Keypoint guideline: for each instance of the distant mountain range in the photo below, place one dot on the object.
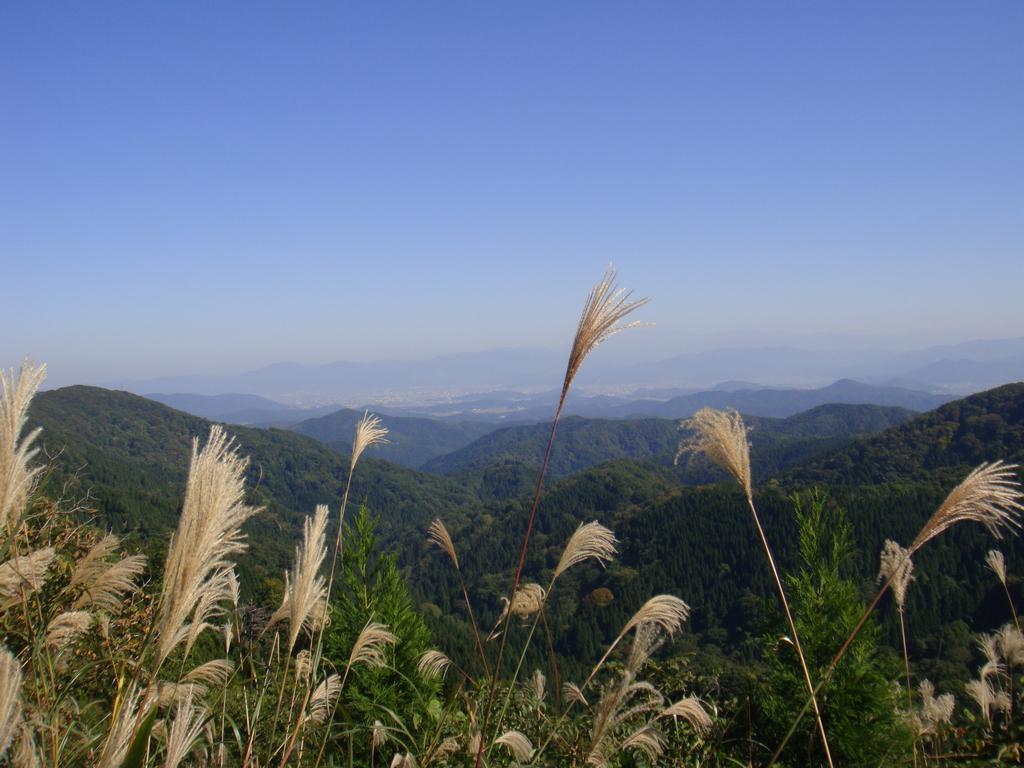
(957, 368)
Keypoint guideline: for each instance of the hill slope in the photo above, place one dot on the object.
(582, 443)
(131, 455)
(411, 440)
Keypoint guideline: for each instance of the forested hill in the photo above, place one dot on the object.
(411, 440)
(131, 455)
(582, 443)
(942, 443)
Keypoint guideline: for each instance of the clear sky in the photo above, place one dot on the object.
(205, 187)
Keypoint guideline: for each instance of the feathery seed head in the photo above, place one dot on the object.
(572, 694)
(1011, 645)
(303, 666)
(989, 495)
(897, 568)
(691, 709)
(518, 744)
(379, 736)
(665, 611)
(722, 437)
(104, 583)
(305, 590)
(994, 560)
(538, 686)
(10, 698)
(438, 535)
(605, 307)
(589, 541)
(369, 431)
(16, 477)
(321, 703)
(23, 575)
(67, 627)
(432, 664)
(369, 647)
(646, 740)
(403, 760)
(186, 729)
(199, 573)
(214, 672)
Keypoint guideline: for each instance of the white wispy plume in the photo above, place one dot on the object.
(199, 574)
(214, 672)
(305, 590)
(10, 698)
(438, 535)
(590, 541)
(433, 663)
(21, 576)
(370, 645)
(605, 308)
(518, 744)
(722, 437)
(67, 627)
(321, 703)
(692, 710)
(17, 478)
(184, 731)
(104, 583)
(897, 568)
(369, 431)
(131, 708)
(994, 560)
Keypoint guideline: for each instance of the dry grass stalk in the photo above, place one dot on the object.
(10, 698)
(605, 308)
(16, 452)
(438, 535)
(896, 567)
(199, 575)
(305, 590)
(590, 541)
(433, 664)
(572, 694)
(722, 437)
(23, 575)
(518, 744)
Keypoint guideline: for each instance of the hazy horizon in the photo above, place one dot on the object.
(208, 190)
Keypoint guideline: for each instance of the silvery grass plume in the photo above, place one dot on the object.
(692, 710)
(21, 576)
(664, 612)
(10, 698)
(538, 686)
(591, 541)
(16, 452)
(935, 710)
(995, 561)
(379, 735)
(605, 308)
(130, 708)
(627, 699)
(432, 664)
(214, 672)
(897, 568)
(321, 703)
(722, 437)
(647, 740)
(528, 600)
(370, 646)
(518, 744)
(1011, 645)
(989, 495)
(406, 760)
(198, 575)
(305, 590)
(572, 694)
(67, 627)
(103, 583)
(438, 535)
(189, 719)
(985, 696)
(369, 431)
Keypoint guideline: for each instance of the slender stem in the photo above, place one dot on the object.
(519, 573)
(1013, 608)
(554, 658)
(472, 622)
(906, 668)
(792, 628)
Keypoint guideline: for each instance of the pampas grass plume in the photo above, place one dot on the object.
(518, 744)
(10, 698)
(16, 452)
(438, 535)
(369, 431)
(369, 646)
(994, 560)
(591, 541)
(896, 566)
(722, 437)
(305, 590)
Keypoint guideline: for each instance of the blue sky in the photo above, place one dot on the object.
(206, 187)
